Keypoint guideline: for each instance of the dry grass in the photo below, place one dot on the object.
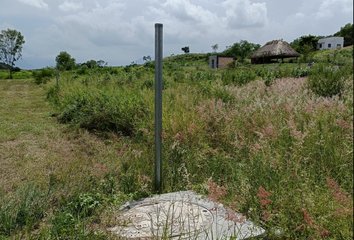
(34, 146)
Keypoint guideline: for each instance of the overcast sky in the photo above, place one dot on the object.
(120, 31)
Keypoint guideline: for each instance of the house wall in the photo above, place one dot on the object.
(330, 43)
(216, 62)
(223, 61)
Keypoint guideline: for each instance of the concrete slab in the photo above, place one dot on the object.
(182, 215)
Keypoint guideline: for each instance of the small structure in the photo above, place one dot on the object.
(330, 43)
(276, 49)
(182, 215)
(218, 61)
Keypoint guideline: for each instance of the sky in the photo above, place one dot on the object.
(121, 32)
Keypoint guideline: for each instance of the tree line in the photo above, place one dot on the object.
(64, 61)
(11, 44)
(304, 43)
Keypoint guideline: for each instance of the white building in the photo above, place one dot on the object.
(330, 43)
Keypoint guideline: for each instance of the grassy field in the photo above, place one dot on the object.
(23, 74)
(279, 141)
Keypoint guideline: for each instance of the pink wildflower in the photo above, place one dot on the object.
(216, 192)
(264, 196)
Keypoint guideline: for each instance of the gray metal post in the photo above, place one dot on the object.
(158, 105)
(57, 76)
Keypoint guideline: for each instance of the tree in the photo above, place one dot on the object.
(65, 61)
(347, 33)
(299, 43)
(309, 40)
(101, 63)
(11, 42)
(307, 51)
(185, 49)
(241, 50)
(147, 58)
(215, 47)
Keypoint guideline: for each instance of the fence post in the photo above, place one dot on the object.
(158, 105)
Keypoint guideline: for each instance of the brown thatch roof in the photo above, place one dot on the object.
(275, 48)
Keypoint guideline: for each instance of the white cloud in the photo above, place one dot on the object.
(35, 3)
(184, 11)
(70, 6)
(120, 31)
(243, 13)
(102, 25)
(328, 8)
(299, 15)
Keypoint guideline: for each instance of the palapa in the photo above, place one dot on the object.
(273, 49)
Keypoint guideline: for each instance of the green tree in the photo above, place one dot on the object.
(296, 45)
(147, 58)
(347, 33)
(299, 43)
(185, 49)
(11, 42)
(65, 61)
(308, 40)
(307, 53)
(101, 63)
(241, 50)
(215, 47)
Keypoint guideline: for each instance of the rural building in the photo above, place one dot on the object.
(276, 49)
(218, 61)
(330, 43)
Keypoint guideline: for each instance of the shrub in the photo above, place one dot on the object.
(326, 81)
(43, 75)
(82, 70)
(231, 65)
(300, 72)
(104, 111)
(16, 69)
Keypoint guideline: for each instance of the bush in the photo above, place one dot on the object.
(326, 81)
(16, 69)
(231, 65)
(104, 111)
(43, 75)
(300, 72)
(82, 70)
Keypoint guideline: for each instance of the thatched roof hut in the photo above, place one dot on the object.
(276, 49)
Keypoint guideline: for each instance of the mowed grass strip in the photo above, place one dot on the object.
(34, 146)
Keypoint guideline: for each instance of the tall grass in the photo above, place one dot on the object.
(283, 152)
(244, 134)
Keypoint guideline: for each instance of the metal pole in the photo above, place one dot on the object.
(57, 76)
(158, 105)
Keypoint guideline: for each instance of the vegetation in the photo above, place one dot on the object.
(305, 43)
(65, 61)
(185, 49)
(241, 50)
(17, 74)
(348, 33)
(43, 75)
(11, 42)
(299, 43)
(278, 141)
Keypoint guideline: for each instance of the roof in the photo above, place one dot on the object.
(331, 38)
(222, 56)
(275, 48)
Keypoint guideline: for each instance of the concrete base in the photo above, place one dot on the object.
(182, 215)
